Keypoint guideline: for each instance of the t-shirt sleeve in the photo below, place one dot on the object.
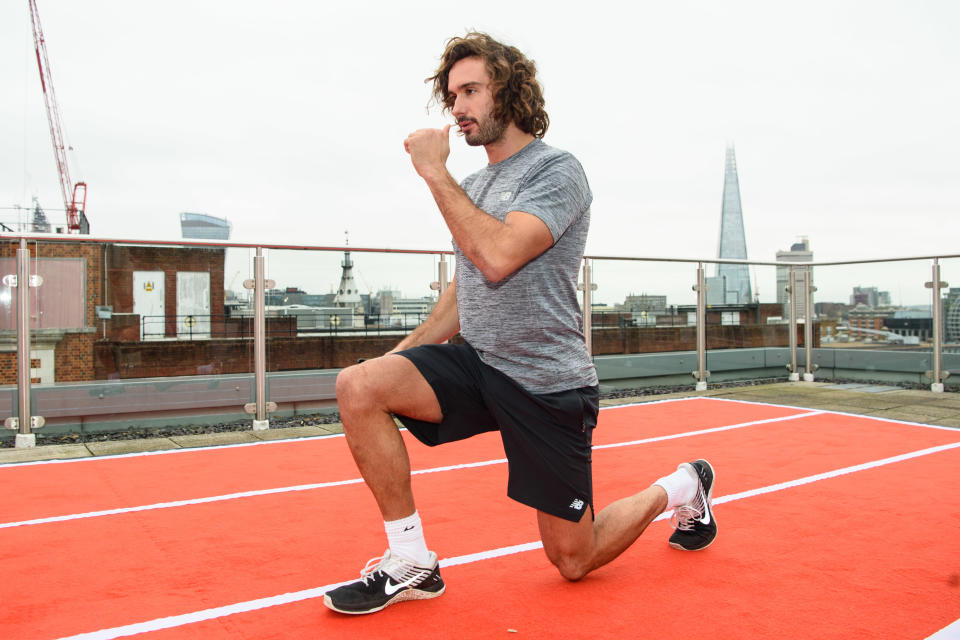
(557, 192)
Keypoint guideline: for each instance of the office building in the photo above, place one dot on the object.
(200, 226)
(799, 252)
(870, 297)
(952, 315)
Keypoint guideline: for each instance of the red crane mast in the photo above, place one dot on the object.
(76, 204)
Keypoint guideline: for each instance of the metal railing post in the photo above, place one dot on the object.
(24, 423)
(442, 278)
(937, 374)
(587, 287)
(25, 436)
(808, 315)
(792, 291)
(260, 407)
(701, 374)
(442, 284)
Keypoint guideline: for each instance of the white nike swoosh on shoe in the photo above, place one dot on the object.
(706, 517)
(389, 588)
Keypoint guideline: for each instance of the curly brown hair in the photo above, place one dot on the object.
(518, 97)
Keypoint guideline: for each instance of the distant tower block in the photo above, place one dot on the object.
(204, 227)
(732, 280)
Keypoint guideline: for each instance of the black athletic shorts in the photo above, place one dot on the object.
(547, 438)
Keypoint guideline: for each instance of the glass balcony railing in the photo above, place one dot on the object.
(130, 333)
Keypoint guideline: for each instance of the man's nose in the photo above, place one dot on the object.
(458, 109)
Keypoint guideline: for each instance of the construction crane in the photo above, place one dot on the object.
(74, 195)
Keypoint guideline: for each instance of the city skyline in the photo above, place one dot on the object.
(412, 275)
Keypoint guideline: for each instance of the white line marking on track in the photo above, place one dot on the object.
(949, 632)
(838, 413)
(177, 503)
(229, 496)
(144, 454)
(710, 430)
(306, 594)
(324, 485)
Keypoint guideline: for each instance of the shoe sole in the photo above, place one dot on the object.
(403, 596)
(713, 518)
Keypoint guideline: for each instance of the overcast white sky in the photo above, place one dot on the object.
(288, 118)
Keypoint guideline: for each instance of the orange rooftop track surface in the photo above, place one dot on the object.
(830, 526)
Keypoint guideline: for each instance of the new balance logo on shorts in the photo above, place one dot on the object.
(577, 504)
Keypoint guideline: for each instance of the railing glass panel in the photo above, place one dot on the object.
(128, 333)
(950, 273)
(644, 307)
(328, 309)
(950, 295)
(747, 322)
(875, 321)
(341, 306)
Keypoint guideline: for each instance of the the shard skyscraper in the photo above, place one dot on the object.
(731, 285)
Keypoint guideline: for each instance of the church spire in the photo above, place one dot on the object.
(347, 294)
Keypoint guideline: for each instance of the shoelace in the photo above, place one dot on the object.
(397, 568)
(372, 566)
(684, 515)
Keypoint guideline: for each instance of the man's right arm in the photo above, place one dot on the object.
(442, 323)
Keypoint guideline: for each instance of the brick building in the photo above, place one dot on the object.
(864, 317)
(79, 277)
(63, 311)
(135, 271)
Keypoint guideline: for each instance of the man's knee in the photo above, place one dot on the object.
(389, 384)
(571, 566)
(347, 381)
(570, 546)
(354, 389)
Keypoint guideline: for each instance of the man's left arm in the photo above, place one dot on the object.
(496, 248)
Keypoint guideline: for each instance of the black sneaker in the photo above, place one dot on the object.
(384, 581)
(696, 528)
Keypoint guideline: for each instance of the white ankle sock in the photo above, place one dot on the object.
(406, 539)
(681, 486)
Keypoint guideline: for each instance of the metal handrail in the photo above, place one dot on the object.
(767, 263)
(54, 237)
(59, 237)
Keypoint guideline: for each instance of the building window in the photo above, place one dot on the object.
(730, 318)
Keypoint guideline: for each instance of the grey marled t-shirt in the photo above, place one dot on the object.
(528, 324)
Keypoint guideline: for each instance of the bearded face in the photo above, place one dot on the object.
(482, 130)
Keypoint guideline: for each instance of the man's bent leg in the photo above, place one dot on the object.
(577, 548)
(367, 396)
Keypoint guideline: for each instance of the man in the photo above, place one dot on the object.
(519, 227)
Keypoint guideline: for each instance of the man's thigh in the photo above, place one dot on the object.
(393, 383)
(453, 373)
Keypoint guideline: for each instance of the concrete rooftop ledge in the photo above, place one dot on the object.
(891, 403)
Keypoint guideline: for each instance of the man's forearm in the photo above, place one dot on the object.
(479, 235)
(442, 323)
